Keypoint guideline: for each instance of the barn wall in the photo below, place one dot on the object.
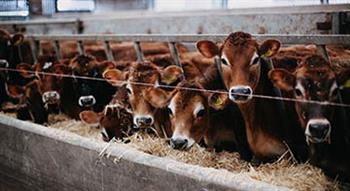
(34, 157)
(287, 20)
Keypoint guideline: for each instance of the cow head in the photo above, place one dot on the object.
(241, 58)
(84, 65)
(7, 42)
(313, 80)
(49, 80)
(189, 113)
(115, 121)
(142, 83)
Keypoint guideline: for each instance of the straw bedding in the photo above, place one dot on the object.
(284, 172)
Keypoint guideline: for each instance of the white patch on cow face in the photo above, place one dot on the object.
(47, 65)
(334, 87)
(253, 60)
(129, 88)
(224, 60)
(4, 63)
(199, 106)
(299, 90)
(172, 106)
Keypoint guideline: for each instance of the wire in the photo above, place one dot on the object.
(182, 88)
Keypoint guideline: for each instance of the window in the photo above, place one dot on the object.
(75, 5)
(14, 8)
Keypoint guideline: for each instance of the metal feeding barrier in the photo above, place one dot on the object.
(320, 40)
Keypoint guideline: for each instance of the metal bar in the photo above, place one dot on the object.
(285, 39)
(40, 22)
(321, 49)
(108, 51)
(39, 49)
(138, 51)
(335, 23)
(80, 47)
(174, 53)
(57, 49)
(34, 49)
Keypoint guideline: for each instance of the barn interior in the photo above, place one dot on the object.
(69, 153)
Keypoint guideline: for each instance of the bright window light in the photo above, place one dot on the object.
(11, 8)
(75, 5)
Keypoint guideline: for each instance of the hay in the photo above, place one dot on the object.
(284, 172)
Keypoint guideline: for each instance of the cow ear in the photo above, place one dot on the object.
(282, 79)
(90, 118)
(171, 74)
(208, 48)
(115, 77)
(218, 101)
(18, 39)
(157, 97)
(14, 91)
(269, 48)
(25, 70)
(105, 65)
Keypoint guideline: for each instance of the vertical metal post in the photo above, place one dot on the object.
(138, 51)
(57, 49)
(80, 47)
(335, 23)
(174, 53)
(108, 51)
(321, 49)
(33, 50)
(38, 45)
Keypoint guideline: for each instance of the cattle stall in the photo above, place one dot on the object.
(32, 158)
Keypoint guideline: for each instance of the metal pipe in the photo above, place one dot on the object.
(138, 51)
(108, 51)
(321, 49)
(80, 47)
(285, 39)
(57, 49)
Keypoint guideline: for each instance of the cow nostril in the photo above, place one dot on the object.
(179, 144)
(319, 130)
(240, 94)
(148, 121)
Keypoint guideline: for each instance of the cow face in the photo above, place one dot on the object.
(84, 65)
(92, 92)
(313, 80)
(7, 43)
(189, 114)
(241, 57)
(144, 94)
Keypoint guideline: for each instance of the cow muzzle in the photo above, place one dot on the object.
(87, 101)
(318, 131)
(4, 63)
(51, 97)
(143, 121)
(178, 143)
(240, 94)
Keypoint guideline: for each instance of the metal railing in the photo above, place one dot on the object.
(320, 40)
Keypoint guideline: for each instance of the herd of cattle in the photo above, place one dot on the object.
(258, 99)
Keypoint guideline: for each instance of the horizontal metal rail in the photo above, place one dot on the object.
(41, 22)
(285, 39)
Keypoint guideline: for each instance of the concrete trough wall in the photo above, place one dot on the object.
(34, 157)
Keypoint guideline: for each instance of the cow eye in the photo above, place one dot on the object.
(255, 60)
(223, 61)
(298, 92)
(170, 112)
(128, 90)
(201, 113)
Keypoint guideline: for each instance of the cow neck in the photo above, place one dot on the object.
(263, 117)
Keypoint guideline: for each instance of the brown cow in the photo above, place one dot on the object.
(145, 96)
(197, 115)
(115, 121)
(326, 127)
(244, 72)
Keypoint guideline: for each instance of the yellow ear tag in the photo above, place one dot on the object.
(218, 101)
(170, 79)
(347, 84)
(268, 53)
